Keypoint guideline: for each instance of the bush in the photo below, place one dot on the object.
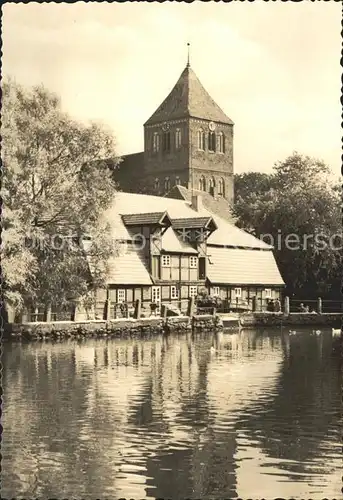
(205, 300)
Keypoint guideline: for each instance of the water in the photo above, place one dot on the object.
(167, 417)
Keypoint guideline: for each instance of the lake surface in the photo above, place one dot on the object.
(167, 417)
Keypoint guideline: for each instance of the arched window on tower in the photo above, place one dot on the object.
(157, 184)
(221, 142)
(166, 141)
(202, 183)
(177, 181)
(156, 142)
(178, 138)
(201, 140)
(166, 184)
(211, 141)
(221, 187)
(211, 186)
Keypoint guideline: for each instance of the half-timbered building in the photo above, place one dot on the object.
(171, 249)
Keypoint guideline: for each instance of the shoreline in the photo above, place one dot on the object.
(129, 327)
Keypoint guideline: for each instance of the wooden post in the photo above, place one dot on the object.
(138, 309)
(74, 312)
(47, 314)
(254, 303)
(127, 311)
(286, 308)
(319, 306)
(22, 318)
(190, 309)
(164, 311)
(214, 312)
(108, 310)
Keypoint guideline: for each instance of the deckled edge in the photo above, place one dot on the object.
(1, 288)
(341, 63)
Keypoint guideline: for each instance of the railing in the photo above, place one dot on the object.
(295, 305)
(332, 306)
(122, 310)
(38, 314)
(180, 305)
(327, 306)
(42, 313)
(110, 310)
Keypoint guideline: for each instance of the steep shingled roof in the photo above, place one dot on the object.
(188, 98)
(131, 203)
(233, 266)
(216, 205)
(151, 218)
(193, 223)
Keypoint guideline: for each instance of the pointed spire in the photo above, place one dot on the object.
(188, 98)
(188, 55)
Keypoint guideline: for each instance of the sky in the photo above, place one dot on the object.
(273, 67)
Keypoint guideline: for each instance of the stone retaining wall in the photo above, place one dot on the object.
(67, 329)
(206, 322)
(177, 323)
(153, 326)
(294, 319)
(96, 328)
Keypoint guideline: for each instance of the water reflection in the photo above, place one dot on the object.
(173, 417)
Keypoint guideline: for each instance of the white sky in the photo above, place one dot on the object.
(274, 68)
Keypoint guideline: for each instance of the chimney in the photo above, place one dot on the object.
(197, 203)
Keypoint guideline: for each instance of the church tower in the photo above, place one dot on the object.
(189, 141)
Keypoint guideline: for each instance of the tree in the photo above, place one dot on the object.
(56, 185)
(253, 190)
(296, 208)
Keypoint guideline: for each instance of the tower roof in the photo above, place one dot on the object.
(188, 98)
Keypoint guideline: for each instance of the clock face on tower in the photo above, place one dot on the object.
(165, 127)
(212, 126)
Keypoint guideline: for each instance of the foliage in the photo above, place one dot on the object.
(56, 186)
(203, 299)
(299, 198)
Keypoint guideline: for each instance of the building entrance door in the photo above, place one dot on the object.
(156, 297)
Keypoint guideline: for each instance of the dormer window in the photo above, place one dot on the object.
(178, 138)
(201, 140)
(157, 184)
(221, 143)
(156, 142)
(177, 181)
(212, 141)
(166, 141)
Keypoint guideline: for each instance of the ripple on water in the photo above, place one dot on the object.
(164, 417)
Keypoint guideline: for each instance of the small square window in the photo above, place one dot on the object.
(268, 292)
(238, 292)
(193, 291)
(215, 291)
(193, 262)
(165, 260)
(121, 295)
(174, 292)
